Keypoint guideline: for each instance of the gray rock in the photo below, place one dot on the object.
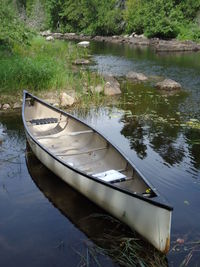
(168, 85)
(132, 34)
(49, 38)
(84, 44)
(58, 35)
(66, 100)
(97, 89)
(45, 33)
(82, 61)
(176, 46)
(17, 105)
(71, 33)
(112, 86)
(136, 77)
(6, 106)
(110, 89)
(142, 36)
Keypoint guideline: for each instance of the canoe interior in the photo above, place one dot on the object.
(80, 146)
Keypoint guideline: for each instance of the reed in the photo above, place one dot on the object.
(47, 66)
(122, 245)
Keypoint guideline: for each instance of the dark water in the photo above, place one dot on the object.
(160, 134)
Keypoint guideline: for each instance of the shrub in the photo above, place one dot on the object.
(12, 29)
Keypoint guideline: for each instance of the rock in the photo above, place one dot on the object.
(58, 35)
(17, 105)
(49, 38)
(84, 44)
(6, 106)
(82, 61)
(66, 100)
(137, 77)
(142, 36)
(176, 46)
(132, 34)
(112, 86)
(97, 89)
(45, 33)
(110, 89)
(168, 85)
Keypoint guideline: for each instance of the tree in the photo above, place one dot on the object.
(12, 29)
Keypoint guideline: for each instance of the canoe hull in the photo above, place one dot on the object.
(151, 221)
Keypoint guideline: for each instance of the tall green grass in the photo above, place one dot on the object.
(40, 66)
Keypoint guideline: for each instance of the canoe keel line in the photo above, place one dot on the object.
(88, 162)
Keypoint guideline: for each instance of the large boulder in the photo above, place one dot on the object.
(112, 86)
(136, 76)
(168, 85)
(66, 100)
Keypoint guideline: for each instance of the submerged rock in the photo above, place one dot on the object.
(168, 85)
(137, 77)
(66, 100)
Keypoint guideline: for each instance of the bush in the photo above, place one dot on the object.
(162, 18)
(12, 29)
(91, 17)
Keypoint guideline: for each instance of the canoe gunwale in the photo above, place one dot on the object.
(158, 202)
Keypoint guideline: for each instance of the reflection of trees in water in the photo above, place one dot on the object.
(163, 139)
(193, 139)
(133, 130)
(154, 120)
(165, 142)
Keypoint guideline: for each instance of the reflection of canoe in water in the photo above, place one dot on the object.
(87, 161)
(78, 209)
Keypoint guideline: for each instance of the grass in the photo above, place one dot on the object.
(120, 244)
(46, 66)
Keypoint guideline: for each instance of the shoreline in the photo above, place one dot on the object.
(159, 45)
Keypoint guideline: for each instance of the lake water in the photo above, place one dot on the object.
(44, 222)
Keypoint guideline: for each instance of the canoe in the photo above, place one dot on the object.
(87, 161)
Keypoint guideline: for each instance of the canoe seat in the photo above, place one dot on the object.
(44, 121)
(111, 176)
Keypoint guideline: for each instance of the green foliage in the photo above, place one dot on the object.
(162, 18)
(40, 66)
(91, 17)
(189, 31)
(12, 29)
